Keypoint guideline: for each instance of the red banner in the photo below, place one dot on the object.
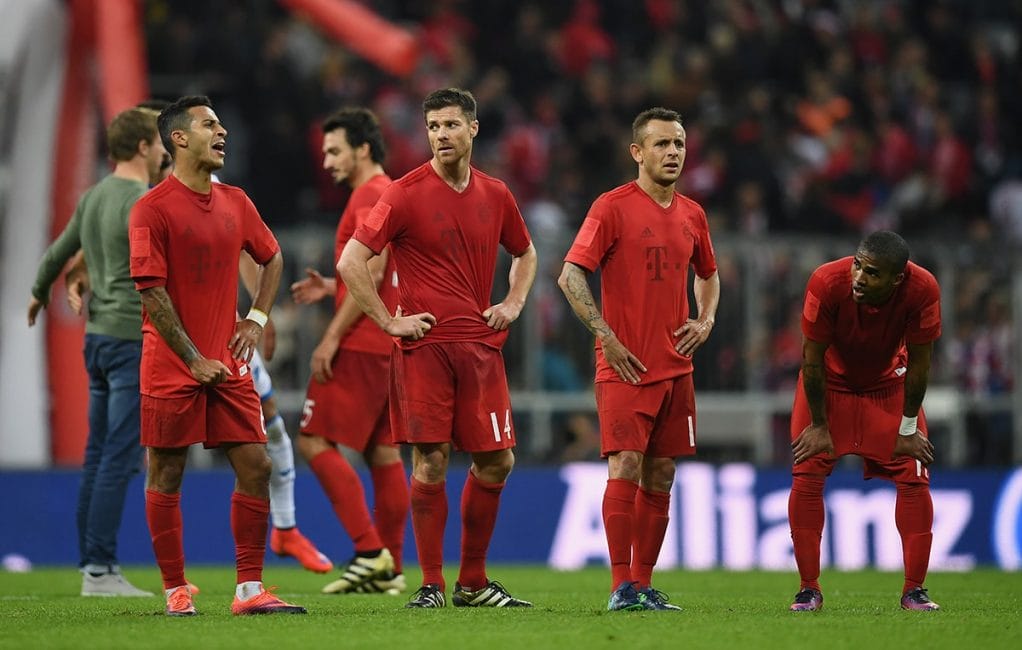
(389, 47)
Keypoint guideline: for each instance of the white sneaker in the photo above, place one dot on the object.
(360, 571)
(393, 585)
(110, 584)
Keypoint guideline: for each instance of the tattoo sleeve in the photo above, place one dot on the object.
(164, 317)
(576, 289)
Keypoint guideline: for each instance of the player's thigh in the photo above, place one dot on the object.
(627, 414)
(482, 416)
(674, 430)
(422, 395)
(171, 423)
(346, 409)
(881, 414)
(234, 415)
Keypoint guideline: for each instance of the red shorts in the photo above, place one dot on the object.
(864, 424)
(656, 420)
(228, 413)
(451, 392)
(352, 408)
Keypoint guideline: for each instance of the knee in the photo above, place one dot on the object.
(625, 465)
(495, 467)
(382, 455)
(659, 476)
(165, 477)
(310, 446)
(431, 467)
(260, 469)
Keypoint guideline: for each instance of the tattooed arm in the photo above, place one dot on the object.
(158, 305)
(815, 438)
(574, 284)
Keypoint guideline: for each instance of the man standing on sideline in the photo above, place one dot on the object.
(339, 410)
(643, 236)
(444, 222)
(868, 324)
(113, 343)
(186, 235)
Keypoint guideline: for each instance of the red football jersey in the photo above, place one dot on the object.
(867, 343)
(189, 243)
(644, 251)
(365, 335)
(445, 247)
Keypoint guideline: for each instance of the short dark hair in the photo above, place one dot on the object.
(650, 114)
(175, 116)
(126, 130)
(887, 246)
(445, 97)
(360, 127)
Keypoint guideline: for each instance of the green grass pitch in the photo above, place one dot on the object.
(981, 609)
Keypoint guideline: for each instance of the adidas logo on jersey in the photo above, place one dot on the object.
(646, 233)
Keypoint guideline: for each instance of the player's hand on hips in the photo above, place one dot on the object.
(501, 315)
(323, 360)
(34, 305)
(412, 327)
(246, 338)
(916, 445)
(692, 335)
(309, 289)
(814, 439)
(209, 372)
(625, 364)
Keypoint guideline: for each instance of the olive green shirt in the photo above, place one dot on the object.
(99, 226)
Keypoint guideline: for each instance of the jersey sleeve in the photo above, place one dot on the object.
(818, 311)
(259, 240)
(147, 241)
(383, 223)
(924, 323)
(514, 234)
(57, 255)
(595, 238)
(704, 260)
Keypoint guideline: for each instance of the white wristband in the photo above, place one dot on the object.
(908, 426)
(257, 316)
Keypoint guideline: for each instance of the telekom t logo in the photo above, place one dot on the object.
(656, 261)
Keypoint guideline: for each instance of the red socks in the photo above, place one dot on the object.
(249, 521)
(429, 518)
(618, 521)
(805, 516)
(652, 513)
(913, 514)
(163, 513)
(390, 493)
(479, 503)
(344, 490)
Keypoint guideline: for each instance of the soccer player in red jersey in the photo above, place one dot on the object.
(347, 401)
(444, 222)
(643, 236)
(868, 324)
(186, 235)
